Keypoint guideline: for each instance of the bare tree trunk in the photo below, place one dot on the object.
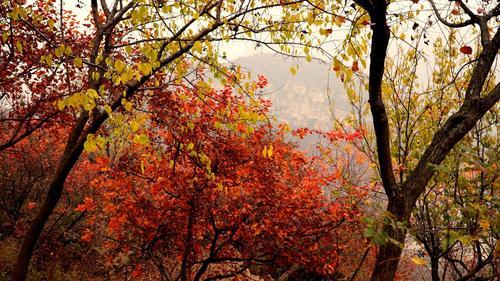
(435, 268)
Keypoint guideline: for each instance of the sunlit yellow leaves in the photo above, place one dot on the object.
(95, 75)
(220, 187)
(94, 143)
(150, 53)
(140, 15)
(134, 125)
(63, 50)
(145, 68)
(198, 47)
(91, 93)
(47, 60)
(218, 125)
(60, 105)
(325, 31)
(124, 77)
(50, 23)
(119, 65)
(19, 46)
(128, 105)
(307, 52)
(108, 109)
(267, 152)
(293, 70)
(338, 20)
(142, 167)
(16, 12)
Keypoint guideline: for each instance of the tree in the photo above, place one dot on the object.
(403, 193)
(135, 46)
(457, 217)
(208, 202)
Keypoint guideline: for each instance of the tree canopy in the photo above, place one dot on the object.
(141, 141)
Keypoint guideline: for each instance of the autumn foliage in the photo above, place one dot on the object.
(218, 195)
(131, 147)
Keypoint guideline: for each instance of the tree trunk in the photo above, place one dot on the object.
(389, 254)
(435, 268)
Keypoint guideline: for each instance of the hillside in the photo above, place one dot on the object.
(301, 100)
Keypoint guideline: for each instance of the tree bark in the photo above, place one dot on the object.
(388, 254)
(435, 268)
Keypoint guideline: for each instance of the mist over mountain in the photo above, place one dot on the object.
(300, 100)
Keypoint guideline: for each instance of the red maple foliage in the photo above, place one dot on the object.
(206, 200)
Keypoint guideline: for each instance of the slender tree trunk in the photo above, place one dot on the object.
(435, 268)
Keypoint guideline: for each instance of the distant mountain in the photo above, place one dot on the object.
(300, 100)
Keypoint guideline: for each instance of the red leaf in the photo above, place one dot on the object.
(466, 50)
(355, 66)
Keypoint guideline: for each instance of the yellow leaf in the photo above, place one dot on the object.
(59, 50)
(90, 144)
(119, 65)
(61, 104)
(78, 62)
(270, 151)
(418, 261)
(48, 60)
(293, 70)
(145, 68)
(197, 47)
(264, 151)
(19, 46)
(108, 109)
(128, 49)
(91, 93)
(128, 106)
(141, 139)
(134, 125)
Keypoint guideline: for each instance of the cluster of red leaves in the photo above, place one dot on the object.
(32, 76)
(207, 196)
